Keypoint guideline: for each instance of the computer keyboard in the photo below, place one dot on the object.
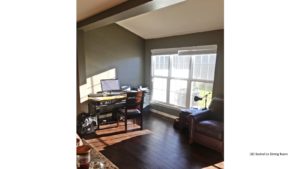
(115, 93)
(102, 94)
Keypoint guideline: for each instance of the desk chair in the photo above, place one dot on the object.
(133, 108)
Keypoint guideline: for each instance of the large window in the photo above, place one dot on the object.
(178, 75)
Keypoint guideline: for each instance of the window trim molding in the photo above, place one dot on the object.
(190, 79)
(168, 51)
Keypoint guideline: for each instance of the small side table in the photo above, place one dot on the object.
(183, 117)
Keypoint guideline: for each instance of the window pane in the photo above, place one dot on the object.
(204, 66)
(159, 89)
(201, 89)
(160, 65)
(180, 66)
(178, 92)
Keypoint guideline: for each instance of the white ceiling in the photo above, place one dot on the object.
(183, 18)
(87, 8)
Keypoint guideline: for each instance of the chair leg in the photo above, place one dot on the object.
(125, 124)
(141, 122)
(117, 115)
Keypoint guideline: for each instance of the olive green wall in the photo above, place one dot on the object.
(115, 47)
(80, 70)
(195, 39)
(80, 57)
(110, 47)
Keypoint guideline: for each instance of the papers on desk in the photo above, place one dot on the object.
(145, 89)
(106, 94)
(126, 88)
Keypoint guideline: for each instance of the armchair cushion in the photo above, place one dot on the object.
(203, 115)
(211, 128)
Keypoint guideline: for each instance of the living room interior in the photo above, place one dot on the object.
(170, 51)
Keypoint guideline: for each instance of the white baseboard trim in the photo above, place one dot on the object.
(163, 114)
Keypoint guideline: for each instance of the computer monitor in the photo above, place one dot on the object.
(108, 85)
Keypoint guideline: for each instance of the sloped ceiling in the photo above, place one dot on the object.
(183, 18)
(87, 8)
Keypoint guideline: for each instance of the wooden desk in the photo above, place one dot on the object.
(103, 105)
(95, 102)
(107, 98)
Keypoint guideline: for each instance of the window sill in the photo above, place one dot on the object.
(166, 105)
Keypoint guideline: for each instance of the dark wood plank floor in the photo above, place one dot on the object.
(162, 148)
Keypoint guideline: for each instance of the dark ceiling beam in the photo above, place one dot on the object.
(123, 11)
(112, 11)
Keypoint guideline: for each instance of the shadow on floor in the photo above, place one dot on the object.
(157, 146)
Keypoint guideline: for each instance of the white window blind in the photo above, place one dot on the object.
(180, 66)
(159, 88)
(179, 74)
(160, 65)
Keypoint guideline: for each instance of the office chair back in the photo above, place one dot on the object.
(133, 108)
(134, 100)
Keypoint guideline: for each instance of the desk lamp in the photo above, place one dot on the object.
(197, 98)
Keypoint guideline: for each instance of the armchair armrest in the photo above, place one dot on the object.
(193, 119)
(200, 115)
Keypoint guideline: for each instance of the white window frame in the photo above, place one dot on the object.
(174, 51)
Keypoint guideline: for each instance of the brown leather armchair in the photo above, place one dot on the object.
(207, 126)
